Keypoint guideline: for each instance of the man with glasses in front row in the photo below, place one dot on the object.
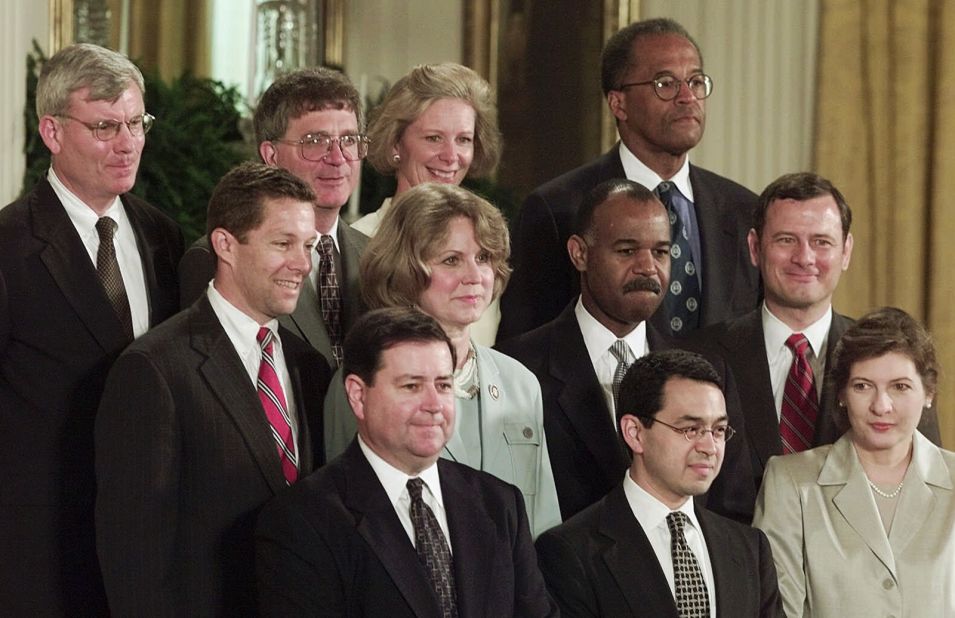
(655, 86)
(85, 267)
(309, 122)
(646, 549)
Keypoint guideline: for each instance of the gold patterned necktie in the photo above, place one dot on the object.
(692, 598)
(110, 277)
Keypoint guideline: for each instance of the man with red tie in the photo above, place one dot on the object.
(207, 417)
(801, 243)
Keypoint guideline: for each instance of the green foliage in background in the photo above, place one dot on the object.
(195, 141)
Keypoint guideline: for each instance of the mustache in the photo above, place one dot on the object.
(642, 284)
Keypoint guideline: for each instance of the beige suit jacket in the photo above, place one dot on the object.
(832, 555)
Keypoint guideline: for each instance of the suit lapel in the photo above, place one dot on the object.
(306, 463)
(630, 558)
(229, 382)
(472, 540)
(69, 264)
(307, 320)
(378, 524)
(918, 499)
(746, 348)
(854, 500)
(352, 243)
(581, 398)
(726, 564)
(717, 231)
(826, 430)
(493, 402)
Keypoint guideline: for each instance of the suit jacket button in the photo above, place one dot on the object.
(528, 433)
(888, 584)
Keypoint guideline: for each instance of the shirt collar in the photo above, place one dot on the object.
(395, 481)
(333, 232)
(650, 512)
(598, 337)
(637, 171)
(776, 332)
(241, 329)
(82, 216)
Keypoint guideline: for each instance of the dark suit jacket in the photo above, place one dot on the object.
(184, 459)
(586, 453)
(198, 266)
(741, 343)
(600, 563)
(544, 279)
(58, 336)
(333, 546)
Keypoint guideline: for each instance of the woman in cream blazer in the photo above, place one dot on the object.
(445, 250)
(866, 527)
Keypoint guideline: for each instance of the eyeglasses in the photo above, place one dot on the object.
(316, 147)
(106, 130)
(667, 87)
(694, 433)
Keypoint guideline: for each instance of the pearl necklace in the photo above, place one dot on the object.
(884, 494)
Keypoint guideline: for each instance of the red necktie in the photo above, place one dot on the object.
(797, 419)
(276, 410)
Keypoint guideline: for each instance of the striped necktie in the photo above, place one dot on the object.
(274, 404)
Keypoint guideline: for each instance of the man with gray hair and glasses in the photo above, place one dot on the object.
(85, 268)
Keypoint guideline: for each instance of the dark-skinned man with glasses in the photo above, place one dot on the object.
(655, 86)
(649, 548)
(85, 267)
(310, 123)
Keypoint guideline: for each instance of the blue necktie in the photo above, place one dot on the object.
(682, 301)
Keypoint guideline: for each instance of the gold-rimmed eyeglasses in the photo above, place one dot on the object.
(316, 147)
(106, 130)
(694, 433)
(667, 87)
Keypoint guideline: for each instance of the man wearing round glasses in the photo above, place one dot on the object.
(655, 86)
(646, 549)
(309, 122)
(84, 268)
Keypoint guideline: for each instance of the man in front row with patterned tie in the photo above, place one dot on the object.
(646, 549)
(208, 416)
(309, 122)
(801, 243)
(621, 250)
(388, 528)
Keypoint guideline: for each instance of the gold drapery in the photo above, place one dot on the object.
(885, 135)
(171, 36)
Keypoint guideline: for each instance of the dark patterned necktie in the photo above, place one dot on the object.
(276, 409)
(692, 599)
(107, 269)
(682, 301)
(800, 407)
(433, 550)
(329, 294)
(620, 351)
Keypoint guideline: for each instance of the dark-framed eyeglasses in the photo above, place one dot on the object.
(106, 130)
(694, 433)
(316, 146)
(667, 87)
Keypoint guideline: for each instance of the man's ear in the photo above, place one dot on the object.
(51, 132)
(268, 152)
(577, 250)
(632, 430)
(615, 103)
(752, 240)
(355, 389)
(223, 244)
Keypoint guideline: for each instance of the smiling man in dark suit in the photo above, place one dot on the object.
(646, 549)
(388, 528)
(801, 243)
(207, 417)
(652, 76)
(621, 249)
(84, 268)
(309, 122)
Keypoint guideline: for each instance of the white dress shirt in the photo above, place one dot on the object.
(651, 514)
(395, 483)
(780, 357)
(242, 332)
(130, 262)
(598, 340)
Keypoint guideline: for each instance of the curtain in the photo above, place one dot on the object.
(885, 135)
(171, 36)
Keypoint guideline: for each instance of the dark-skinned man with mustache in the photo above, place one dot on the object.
(620, 248)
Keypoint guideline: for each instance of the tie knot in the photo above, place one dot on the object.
(415, 486)
(621, 351)
(798, 343)
(676, 522)
(325, 245)
(264, 336)
(106, 227)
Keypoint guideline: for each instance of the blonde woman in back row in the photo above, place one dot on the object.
(864, 527)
